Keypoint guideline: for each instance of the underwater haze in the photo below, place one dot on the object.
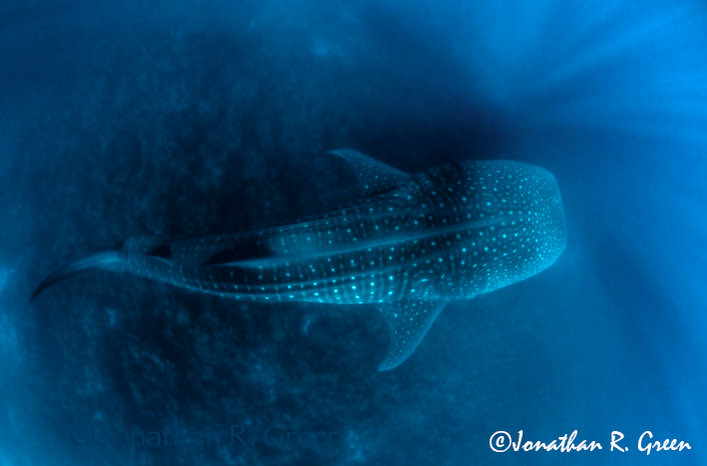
(198, 117)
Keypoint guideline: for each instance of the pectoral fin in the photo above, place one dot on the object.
(409, 320)
(372, 176)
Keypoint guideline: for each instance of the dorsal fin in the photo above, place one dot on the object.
(409, 320)
(162, 253)
(372, 176)
(249, 251)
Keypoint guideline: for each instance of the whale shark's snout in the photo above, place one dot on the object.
(554, 229)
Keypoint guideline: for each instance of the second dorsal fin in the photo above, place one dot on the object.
(372, 176)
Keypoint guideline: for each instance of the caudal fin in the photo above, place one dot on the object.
(103, 259)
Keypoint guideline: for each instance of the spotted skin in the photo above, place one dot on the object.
(410, 244)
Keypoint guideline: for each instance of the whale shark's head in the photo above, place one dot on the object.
(518, 222)
(552, 230)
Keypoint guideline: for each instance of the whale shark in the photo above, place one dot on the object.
(408, 244)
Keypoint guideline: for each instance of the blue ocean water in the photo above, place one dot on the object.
(198, 117)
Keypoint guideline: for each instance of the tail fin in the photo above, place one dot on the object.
(103, 259)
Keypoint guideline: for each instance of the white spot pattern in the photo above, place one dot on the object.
(451, 232)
